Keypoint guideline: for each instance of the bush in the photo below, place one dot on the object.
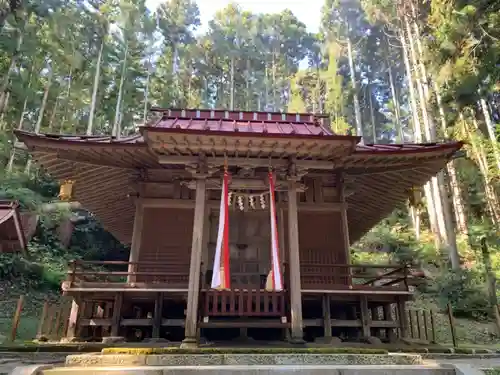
(464, 290)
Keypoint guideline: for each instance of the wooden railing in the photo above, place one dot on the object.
(241, 302)
(354, 276)
(314, 276)
(115, 272)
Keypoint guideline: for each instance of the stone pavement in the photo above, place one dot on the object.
(479, 363)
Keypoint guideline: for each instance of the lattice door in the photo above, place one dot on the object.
(249, 245)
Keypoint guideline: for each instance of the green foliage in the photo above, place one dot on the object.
(46, 264)
(464, 290)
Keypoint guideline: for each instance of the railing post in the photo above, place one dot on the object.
(452, 325)
(72, 273)
(43, 317)
(405, 275)
(17, 317)
(433, 328)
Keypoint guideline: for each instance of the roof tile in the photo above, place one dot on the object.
(246, 126)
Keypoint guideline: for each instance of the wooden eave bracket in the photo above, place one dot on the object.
(246, 162)
(217, 144)
(242, 184)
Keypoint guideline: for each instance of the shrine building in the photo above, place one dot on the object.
(239, 224)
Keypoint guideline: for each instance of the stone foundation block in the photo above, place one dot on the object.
(113, 340)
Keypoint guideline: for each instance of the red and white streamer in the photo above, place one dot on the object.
(221, 277)
(276, 276)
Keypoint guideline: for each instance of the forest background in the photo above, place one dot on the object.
(391, 71)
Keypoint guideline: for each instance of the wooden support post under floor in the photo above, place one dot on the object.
(157, 317)
(327, 317)
(117, 315)
(73, 326)
(388, 317)
(365, 317)
(403, 324)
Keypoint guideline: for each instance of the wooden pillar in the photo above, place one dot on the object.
(343, 217)
(294, 259)
(117, 315)
(190, 339)
(135, 247)
(365, 317)
(388, 317)
(158, 315)
(72, 332)
(403, 324)
(345, 227)
(205, 256)
(281, 235)
(327, 316)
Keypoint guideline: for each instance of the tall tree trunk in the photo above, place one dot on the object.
(67, 100)
(146, 94)
(266, 82)
(415, 218)
(395, 100)
(41, 112)
(175, 81)
(456, 193)
(53, 114)
(372, 115)
(458, 202)
(492, 202)
(97, 77)
(417, 130)
(417, 136)
(231, 89)
(4, 109)
(420, 84)
(491, 131)
(12, 66)
(437, 184)
(116, 132)
(248, 94)
(273, 71)
(10, 164)
(354, 83)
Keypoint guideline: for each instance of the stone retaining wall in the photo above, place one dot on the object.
(8, 361)
(85, 360)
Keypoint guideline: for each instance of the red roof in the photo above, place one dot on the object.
(403, 148)
(246, 122)
(300, 125)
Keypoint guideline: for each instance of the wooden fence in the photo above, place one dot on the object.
(53, 320)
(54, 317)
(422, 325)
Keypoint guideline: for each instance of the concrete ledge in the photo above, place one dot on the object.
(459, 356)
(467, 370)
(30, 370)
(87, 360)
(256, 370)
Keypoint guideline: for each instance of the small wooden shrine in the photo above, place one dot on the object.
(12, 236)
(239, 224)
